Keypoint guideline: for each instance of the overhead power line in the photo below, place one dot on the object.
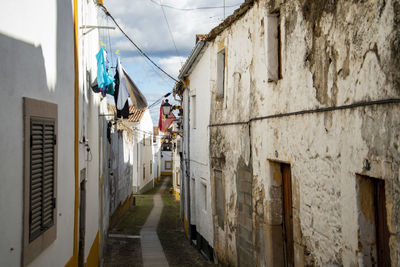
(194, 8)
(137, 47)
(170, 33)
(159, 100)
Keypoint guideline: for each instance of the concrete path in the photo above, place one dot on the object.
(152, 251)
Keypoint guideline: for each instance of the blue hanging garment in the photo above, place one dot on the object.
(103, 78)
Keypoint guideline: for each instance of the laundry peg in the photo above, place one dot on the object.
(117, 52)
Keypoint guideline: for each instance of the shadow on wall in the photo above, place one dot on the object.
(22, 67)
(23, 73)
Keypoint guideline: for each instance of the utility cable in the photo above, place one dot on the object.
(310, 111)
(158, 100)
(194, 8)
(170, 33)
(137, 47)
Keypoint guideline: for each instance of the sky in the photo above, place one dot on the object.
(146, 23)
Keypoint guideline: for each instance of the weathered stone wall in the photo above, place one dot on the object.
(333, 53)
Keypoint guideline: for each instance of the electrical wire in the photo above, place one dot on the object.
(170, 33)
(159, 100)
(194, 8)
(136, 46)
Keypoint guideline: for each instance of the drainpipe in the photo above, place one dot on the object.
(188, 174)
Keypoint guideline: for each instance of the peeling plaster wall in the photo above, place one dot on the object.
(333, 53)
(121, 179)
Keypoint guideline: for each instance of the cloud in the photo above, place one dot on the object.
(145, 23)
(172, 65)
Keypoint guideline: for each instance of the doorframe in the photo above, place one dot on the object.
(82, 220)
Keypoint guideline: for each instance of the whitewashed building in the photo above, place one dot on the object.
(196, 182)
(156, 154)
(142, 125)
(304, 150)
(49, 197)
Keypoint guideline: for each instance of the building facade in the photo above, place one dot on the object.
(303, 150)
(50, 158)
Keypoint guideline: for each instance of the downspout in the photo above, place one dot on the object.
(74, 260)
(188, 175)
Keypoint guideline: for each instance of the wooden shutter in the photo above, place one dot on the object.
(42, 175)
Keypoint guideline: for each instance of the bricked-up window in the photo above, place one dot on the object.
(273, 47)
(40, 177)
(220, 73)
(151, 167)
(194, 112)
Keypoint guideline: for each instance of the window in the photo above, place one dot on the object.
(273, 47)
(151, 167)
(204, 195)
(194, 111)
(178, 179)
(220, 73)
(144, 172)
(168, 165)
(40, 177)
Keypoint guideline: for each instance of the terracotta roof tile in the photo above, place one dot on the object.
(136, 113)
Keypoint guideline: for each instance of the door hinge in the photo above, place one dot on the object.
(54, 202)
(55, 139)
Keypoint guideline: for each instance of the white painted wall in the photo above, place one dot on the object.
(143, 153)
(37, 51)
(157, 157)
(37, 62)
(89, 103)
(176, 163)
(200, 95)
(166, 156)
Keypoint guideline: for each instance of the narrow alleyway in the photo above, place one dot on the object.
(152, 252)
(151, 234)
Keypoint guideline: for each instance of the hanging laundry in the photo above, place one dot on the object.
(109, 125)
(138, 99)
(103, 77)
(121, 93)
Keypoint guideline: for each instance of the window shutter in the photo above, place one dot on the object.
(42, 153)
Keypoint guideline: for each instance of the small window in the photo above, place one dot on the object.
(194, 112)
(204, 195)
(144, 173)
(178, 179)
(273, 47)
(168, 165)
(40, 177)
(151, 167)
(220, 73)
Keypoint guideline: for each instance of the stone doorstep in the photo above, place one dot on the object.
(124, 236)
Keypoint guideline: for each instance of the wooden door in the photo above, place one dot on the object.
(382, 232)
(82, 223)
(287, 215)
